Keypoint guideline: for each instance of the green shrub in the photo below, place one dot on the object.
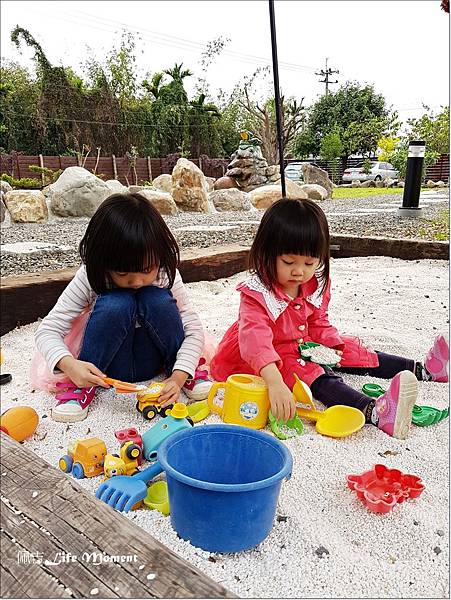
(24, 183)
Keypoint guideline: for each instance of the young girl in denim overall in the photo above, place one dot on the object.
(284, 304)
(126, 314)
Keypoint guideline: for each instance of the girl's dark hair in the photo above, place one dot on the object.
(290, 227)
(127, 234)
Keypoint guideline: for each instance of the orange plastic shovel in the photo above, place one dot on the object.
(336, 421)
(122, 387)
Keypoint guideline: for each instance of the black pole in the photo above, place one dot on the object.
(275, 70)
(414, 171)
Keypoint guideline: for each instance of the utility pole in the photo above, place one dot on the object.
(326, 74)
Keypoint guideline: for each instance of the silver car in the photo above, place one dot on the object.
(379, 171)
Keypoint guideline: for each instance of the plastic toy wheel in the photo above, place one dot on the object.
(78, 471)
(137, 407)
(133, 451)
(149, 412)
(166, 410)
(65, 463)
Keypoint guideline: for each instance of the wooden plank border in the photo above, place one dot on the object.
(26, 298)
(47, 517)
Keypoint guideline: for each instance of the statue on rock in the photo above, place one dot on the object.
(248, 167)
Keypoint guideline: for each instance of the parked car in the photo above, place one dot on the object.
(379, 170)
(293, 171)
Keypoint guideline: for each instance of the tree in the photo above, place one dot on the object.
(204, 132)
(260, 117)
(19, 94)
(331, 150)
(170, 114)
(58, 99)
(359, 116)
(433, 129)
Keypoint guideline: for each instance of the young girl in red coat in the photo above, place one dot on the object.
(284, 303)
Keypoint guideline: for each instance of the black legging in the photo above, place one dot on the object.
(330, 389)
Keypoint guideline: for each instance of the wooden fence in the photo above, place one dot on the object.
(146, 169)
(109, 167)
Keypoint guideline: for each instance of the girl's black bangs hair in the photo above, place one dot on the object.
(304, 238)
(133, 250)
(290, 227)
(127, 234)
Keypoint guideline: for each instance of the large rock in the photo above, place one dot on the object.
(116, 186)
(314, 191)
(189, 187)
(225, 183)
(2, 210)
(368, 183)
(163, 182)
(232, 199)
(210, 183)
(162, 201)
(5, 186)
(266, 195)
(313, 174)
(27, 206)
(430, 183)
(77, 193)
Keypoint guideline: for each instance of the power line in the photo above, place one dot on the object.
(108, 25)
(326, 74)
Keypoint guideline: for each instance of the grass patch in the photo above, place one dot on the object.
(436, 229)
(339, 193)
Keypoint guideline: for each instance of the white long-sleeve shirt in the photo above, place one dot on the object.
(49, 337)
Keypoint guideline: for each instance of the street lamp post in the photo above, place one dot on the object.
(275, 70)
(412, 186)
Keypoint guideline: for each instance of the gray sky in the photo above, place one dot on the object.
(401, 47)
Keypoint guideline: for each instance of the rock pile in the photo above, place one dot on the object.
(250, 169)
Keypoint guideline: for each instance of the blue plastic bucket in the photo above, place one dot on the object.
(223, 483)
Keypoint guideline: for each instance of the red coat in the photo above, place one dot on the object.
(270, 327)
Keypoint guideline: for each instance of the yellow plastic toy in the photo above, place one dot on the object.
(198, 411)
(19, 422)
(157, 497)
(336, 421)
(246, 401)
(84, 458)
(125, 464)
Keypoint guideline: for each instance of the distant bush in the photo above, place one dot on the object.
(25, 183)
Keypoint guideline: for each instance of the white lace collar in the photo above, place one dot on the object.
(275, 305)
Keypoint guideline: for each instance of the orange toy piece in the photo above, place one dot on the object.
(19, 422)
(84, 458)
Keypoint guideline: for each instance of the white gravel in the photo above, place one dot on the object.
(327, 544)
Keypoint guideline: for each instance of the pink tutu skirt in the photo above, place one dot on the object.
(41, 378)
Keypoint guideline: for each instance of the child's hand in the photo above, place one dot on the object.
(281, 400)
(170, 393)
(340, 354)
(83, 374)
(172, 386)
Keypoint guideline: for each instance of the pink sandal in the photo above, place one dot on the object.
(73, 403)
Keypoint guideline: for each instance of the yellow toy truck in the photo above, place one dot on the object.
(84, 458)
(148, 404)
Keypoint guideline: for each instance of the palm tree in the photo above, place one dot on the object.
(203, 129)
(176, 72)
(154, 86)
